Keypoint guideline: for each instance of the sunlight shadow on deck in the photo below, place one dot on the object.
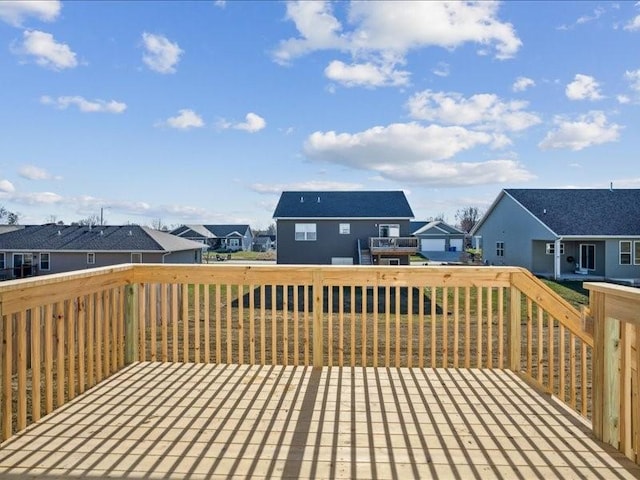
(155, 420)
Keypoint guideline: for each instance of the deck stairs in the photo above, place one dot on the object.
(365, 257)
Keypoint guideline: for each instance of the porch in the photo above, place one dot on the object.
(162, 420)
(393, 245)
(159, 371)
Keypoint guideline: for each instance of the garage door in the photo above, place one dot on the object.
(457, 242)
(341, 261)
(432, 244)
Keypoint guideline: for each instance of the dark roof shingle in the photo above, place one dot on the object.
(84, 238)
(332, 204)
(583, 212)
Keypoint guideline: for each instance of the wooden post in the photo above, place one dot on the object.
(611, 384)
(596, 307)
(131, 353)
(318, 334)
(515, 329)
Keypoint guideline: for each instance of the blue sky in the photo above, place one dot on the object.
(203, 112)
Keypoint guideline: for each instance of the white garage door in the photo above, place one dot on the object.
(341, 261)
(457, 242)
(432, 244)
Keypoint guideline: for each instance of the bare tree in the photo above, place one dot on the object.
(9, 217)
(158, 224)
(90, 221)
(467, 217)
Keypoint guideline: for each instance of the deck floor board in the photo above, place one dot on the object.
(174, 421)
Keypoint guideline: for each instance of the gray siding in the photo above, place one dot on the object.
(329, 242)
(186, 256)
(511, 224)
(60, 262)
(612, 264)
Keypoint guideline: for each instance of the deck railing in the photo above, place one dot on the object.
(393, 244)
(616, 366)
(63, 333)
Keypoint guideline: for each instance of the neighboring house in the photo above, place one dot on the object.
(43, 249)
(439, 241)
(218, 237)
(264, 243)
(564, 232)
(368, 227)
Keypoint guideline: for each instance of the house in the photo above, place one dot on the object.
(564, 233)
(44, 249)
(218, 237)
(340, 227)
(264, 243)
(439, 241)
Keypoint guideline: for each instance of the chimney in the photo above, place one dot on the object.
(611, 187)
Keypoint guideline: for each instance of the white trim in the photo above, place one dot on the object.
(40, 261)
(630, 252)
(373, 219)
(93, 261)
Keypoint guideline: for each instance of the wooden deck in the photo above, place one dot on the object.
(169, 420)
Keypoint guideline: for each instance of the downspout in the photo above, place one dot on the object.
(556, 259)
(164, 255)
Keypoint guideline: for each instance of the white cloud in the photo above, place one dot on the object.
(85, 105)
(634, 24)
(414, 153)
(597, 13)
(253, 123)
(276, 188)
(14, 12)
(47, 52)
(318, 28)
(161, 55)
(38, 198)
(32, 172)
(6, 186)
(442, 69)
(588, 130)
(485, 111)
(522, 83)
(623, 99)
(220, 3)
(633, 77)
(185, 120)
(382, 33)
(366, 74)
(583, 87)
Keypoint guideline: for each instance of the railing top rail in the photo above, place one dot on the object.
(20, 294)
(621, 300)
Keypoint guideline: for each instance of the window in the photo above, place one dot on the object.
(2, 262)
(551, 249)
(234, 242)
(625, 252)
(636, 248)
(345, 229)
(91, 258)
(499, 249)
(305, 232)
(44, 261)
(136, 258)
(389, 230)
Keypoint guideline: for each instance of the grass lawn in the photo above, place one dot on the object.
(572, 291)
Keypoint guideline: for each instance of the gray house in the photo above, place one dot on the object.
(44, 249)
(439, 241)
(231, 237)
(367, 227)
(564, 233)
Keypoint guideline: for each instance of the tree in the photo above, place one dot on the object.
(467, 218)
(158, 224)
(90, 221)
(9, 217)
